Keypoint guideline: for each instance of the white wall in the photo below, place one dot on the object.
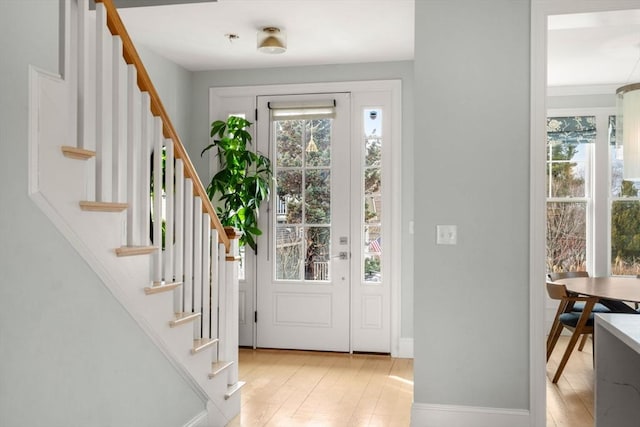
(70, 355)
(471, 322)
(200, 128)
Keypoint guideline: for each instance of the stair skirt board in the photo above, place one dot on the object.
(200, 420)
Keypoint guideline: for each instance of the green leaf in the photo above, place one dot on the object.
(243, 179)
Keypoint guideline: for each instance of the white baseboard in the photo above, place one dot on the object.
(428, 415)
(405, 348)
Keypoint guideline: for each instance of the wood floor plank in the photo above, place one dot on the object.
(296, 388)
(570, 402)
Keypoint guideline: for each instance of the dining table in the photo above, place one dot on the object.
(614, 292)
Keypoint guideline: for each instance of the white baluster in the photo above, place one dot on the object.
(215, 280)
(168, 211)
(222, 303)
(104, 88)
(87, 91)
(144, 170)
(206, 278)
(157, 198)
(197, 264)
(86, 115)
(188, 246)
(120, 117)
(134, 143)
(178, 302)
(232, 303)
(70, 63)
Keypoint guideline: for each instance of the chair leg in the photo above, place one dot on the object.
(554, 334)
(577, 332)
(556, 329)
(583, 342)
(565, 358)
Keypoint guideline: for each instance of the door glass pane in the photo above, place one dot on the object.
(289, 197)
(318, 147)
(318, 251)
(372, 192)
(318, 196)
(288, 252)
(303, 202)
(288, 143)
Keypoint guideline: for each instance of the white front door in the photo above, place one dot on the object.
(303, 286)
(338, 192)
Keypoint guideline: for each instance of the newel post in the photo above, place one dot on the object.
(232, 301)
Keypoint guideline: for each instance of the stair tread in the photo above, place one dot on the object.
(87, 205)
(135, 250)
(182, 318)
(233, 389)
(219, 366)
(158, 287)
(77, 153)
(202, 343)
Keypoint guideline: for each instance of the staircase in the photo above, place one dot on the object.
(108, 168)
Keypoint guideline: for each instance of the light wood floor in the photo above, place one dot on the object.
(570, 401)
(295, 388)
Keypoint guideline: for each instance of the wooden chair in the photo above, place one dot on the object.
(579, 323)
(567, 274)
(578, 306)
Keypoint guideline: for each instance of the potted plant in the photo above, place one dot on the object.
(242, 182)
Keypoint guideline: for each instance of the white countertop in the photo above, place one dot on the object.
(626, 327)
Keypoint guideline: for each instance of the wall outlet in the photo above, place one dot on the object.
(446, 234)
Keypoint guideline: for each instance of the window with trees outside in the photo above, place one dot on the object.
(573, 199)
(569, 142)
(625, 214)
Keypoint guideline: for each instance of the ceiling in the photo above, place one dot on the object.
(594, 48)
(583, 49)
(318, 32)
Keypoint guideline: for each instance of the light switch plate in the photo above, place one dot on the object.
(446, 234)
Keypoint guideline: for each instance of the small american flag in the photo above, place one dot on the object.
(376, 245)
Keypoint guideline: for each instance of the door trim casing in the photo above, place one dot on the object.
(540, 10)
(395, 87)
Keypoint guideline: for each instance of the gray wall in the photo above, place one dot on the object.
(173, 84)
(328, 73)
(71, 356)
(471, 322)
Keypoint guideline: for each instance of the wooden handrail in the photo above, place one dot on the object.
(131, 56)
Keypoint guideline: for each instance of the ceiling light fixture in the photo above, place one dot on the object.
(272, 40)
(628, 127)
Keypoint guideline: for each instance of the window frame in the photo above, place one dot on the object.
(597, 189)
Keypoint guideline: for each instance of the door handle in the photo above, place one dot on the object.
(342, 255)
